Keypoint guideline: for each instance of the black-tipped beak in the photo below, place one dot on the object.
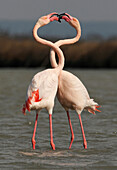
(59, 19)
(64, 14)
(56, 15)
(61, 16)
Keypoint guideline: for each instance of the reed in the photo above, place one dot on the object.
(25, 52)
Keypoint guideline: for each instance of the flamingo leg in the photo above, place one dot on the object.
(71, 129)
(51, 133)
(83, 134)
(33, 137)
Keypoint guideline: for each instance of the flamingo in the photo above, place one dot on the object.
(43, 87)
(71, 93)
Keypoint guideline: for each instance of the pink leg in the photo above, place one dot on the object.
(33, 138)
(83, 134)
(72, 133)
(51, 133)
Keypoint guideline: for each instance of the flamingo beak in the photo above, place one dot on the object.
(65, 16)
(55, 17)
(58, 17)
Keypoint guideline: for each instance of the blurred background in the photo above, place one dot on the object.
(97, 47)
(93, 59)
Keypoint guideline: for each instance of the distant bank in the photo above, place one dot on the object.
(89, 29)
(28, 53)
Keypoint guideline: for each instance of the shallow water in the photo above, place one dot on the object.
(16, 129)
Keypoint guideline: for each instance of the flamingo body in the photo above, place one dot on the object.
(72, 94)
(46, 82)
(43, 87)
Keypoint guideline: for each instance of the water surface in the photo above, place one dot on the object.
(16, 129)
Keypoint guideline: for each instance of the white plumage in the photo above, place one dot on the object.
(47, 83)
(43, 87)
(72, 94)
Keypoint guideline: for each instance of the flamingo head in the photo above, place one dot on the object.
(44, 20)
(65, 16)
(71, 20)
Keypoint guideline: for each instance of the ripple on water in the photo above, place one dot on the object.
(16, 129)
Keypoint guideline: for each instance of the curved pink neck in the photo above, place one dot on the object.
(50, 44)
(64, 42)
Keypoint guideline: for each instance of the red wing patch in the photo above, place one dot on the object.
(28, 102)
(35, 94)
(26, 106)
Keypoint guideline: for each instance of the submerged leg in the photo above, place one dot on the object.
(71, 129)
(51, 133)
(83, 134)
(33, 137)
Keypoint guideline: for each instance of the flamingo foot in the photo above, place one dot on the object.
(52, 145)
(85, 144)
(72, 139)
(33, 143)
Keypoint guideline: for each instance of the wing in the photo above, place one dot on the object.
(72, 83)
(47, 83)
(71, 90)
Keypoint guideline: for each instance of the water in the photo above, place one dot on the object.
(16, 129)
